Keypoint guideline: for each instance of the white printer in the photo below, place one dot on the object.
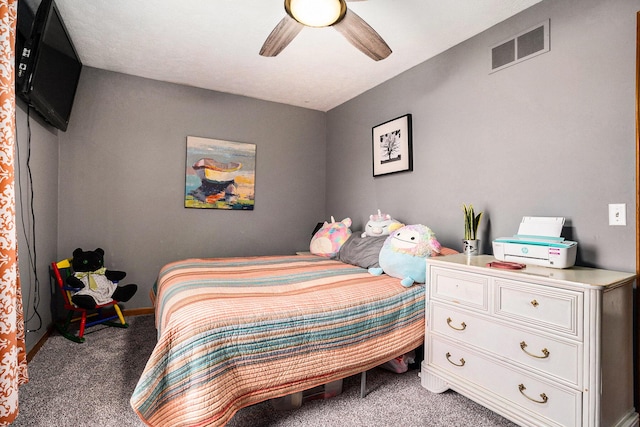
(538, 242)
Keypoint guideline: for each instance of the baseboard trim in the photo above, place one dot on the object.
(39, 344)
(127, 312)
(137, 311)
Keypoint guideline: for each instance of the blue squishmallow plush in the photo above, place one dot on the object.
(404, 254)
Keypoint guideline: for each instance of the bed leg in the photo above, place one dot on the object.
(363, 384)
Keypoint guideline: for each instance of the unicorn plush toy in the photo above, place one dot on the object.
(380, 225)
(330, 237)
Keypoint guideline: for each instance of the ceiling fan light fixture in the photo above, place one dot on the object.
(316, 13)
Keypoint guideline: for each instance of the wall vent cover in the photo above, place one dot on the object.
(523, 46)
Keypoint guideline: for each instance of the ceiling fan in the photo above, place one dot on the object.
(325, 13)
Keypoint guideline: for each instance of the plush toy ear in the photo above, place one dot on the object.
(77, 252)
(99, 251)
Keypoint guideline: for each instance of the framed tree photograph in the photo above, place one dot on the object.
(392, 146)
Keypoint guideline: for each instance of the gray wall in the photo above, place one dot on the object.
(551, 136)
(36, 174)
(122, 174)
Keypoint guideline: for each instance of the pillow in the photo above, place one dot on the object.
(362, 252)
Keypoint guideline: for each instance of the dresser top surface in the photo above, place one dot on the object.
(574, 275)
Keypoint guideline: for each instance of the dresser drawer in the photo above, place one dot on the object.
(543, 401)
(552, 356)
(459, 288)
(553, 309)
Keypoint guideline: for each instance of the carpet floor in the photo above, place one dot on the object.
(90, 384)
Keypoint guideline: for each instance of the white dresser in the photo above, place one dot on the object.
(540, 346)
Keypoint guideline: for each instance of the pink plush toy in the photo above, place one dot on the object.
(331, 236)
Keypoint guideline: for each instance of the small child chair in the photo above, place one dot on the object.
(100, 314)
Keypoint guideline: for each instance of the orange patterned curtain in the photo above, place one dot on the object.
(13, 360)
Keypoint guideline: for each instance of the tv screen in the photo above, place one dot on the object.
(49, 68)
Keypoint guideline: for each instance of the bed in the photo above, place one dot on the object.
(233, 332)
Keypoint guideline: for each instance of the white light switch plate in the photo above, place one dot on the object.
(618, 214)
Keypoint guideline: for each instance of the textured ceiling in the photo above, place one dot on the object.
(214, 44)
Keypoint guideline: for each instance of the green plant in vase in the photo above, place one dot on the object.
(471, 222)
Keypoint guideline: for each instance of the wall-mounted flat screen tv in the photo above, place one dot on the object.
(49, 68)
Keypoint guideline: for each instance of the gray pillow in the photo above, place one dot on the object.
(361, 251)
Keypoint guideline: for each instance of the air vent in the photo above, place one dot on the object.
(523, 46)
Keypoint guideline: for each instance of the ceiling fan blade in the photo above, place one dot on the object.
(286, 30)
(362, 36)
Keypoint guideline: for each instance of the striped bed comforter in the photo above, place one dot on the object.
(233, 332)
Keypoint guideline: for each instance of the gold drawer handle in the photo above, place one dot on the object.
(544, 351)
(543, 396)
(462, 362)
(535, 303)
(462, 328)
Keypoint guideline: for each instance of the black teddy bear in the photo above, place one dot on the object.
(95, 282)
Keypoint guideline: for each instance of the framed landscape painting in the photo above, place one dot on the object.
(392, 146)
(220, 174)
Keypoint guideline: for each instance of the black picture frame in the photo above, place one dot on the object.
(392, 146)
